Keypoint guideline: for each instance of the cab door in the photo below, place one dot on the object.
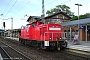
(27, 32)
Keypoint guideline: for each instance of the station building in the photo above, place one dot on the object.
(71, 27)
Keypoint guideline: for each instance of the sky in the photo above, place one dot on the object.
(17, 9)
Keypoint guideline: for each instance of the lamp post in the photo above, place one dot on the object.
(78, 21)
(43, 9)
(11, 23)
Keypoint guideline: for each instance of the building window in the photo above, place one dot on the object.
(73, 32)
(65, 32)
(63, 17)
(76, 31)
(68, 35)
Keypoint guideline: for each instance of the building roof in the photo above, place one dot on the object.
(60, 12)
(75, 22)
(35, 17)
(39, 18)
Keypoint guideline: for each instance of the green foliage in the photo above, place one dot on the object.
(87, 15)
(74, 18)
(48, 12)
(62, 8)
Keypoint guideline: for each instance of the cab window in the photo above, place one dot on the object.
(28, 25)
(33, 25)
(22, 27)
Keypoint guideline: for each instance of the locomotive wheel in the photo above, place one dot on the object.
(63, 46)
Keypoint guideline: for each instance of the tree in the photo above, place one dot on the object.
(62, 8)
(74, 18)
(87, 15)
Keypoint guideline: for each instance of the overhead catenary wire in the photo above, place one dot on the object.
(66, 1)
(70, 0)
(45, 5)
(6, 7)
(11, 8)
(79, 0)
(39, 8)
(36, 9)
(29, 2)
(53, 2)
(24, 6)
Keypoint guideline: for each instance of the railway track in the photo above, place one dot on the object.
(10, 53)
(78, 55)
(69, 55)
(36, 54)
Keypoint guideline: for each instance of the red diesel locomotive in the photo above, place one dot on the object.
(44, 36)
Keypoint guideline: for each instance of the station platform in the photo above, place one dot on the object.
(83, 46)
(17, 39)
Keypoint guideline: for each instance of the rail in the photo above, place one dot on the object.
(14, 50)
(6, 53)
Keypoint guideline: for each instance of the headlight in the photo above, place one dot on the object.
(60, 38)
(50, 38)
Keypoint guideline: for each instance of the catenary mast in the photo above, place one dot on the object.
(43, 15)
